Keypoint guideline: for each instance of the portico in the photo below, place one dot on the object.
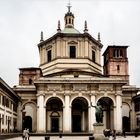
(67, 108)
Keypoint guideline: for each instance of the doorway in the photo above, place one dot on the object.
(54, 124)
(76, 123)
(27, 123)
(79, 115)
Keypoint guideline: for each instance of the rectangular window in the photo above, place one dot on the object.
(14, 107)
(49, 55)
(118, 68)
(6, 120)
(0, 98)
(93, 56)
(2, 119)
(7, 102)
(3, 100)
(72, 52)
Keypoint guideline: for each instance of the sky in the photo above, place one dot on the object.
(21, 22)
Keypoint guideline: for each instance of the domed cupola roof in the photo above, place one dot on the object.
(69, 22)
(69, 18)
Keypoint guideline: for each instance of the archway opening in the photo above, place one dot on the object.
(79, 115)
(54, 113)
(108, 115)
(126, 117)
(29, 109)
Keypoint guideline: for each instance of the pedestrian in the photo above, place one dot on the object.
(124, 133)
(114, 134)
(27, 134)
(23, 134)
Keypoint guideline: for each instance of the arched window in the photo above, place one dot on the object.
(117, 53)
(69, 21)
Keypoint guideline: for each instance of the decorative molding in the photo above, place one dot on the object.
(72, 42)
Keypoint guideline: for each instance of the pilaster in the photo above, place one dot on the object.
(118, 111)
(133, 118)
(67, 115)
(41, 114)
(92, 118)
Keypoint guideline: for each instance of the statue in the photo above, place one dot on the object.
(98, 113)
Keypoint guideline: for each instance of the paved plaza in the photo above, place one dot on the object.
(74, 138)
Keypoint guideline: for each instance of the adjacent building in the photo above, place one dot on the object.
(8, 108)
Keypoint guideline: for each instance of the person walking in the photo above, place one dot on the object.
(114, 134)
(27, 134)
(124, 133)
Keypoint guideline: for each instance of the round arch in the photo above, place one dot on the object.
(108, 111)
(125, 103)
(110, 97)
(126, 116)
(54, 114)
(80, 97)
(29, 109)
(48, 98)
(28, 102)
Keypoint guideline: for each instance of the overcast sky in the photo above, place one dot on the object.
(21, 22)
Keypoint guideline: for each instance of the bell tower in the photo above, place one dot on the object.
(116, 62)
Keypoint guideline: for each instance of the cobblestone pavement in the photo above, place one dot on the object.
(75, 138)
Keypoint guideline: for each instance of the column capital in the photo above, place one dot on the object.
(40, 93)
(66, 94)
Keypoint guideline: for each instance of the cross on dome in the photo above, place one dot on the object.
(69, 6)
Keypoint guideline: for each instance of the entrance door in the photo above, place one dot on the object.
(126, 123)
(54, 124)
(27, 123)
(76, 123)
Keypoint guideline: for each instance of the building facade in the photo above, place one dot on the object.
(59, 95)
(8, 108)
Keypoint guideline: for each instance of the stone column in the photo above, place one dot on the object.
(41, 114)
(118, 118)
(67, 115)
(92, 118)
(133, 118)
(19, 117)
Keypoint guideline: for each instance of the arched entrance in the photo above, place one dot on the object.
(54, 113)
(126, 117)
(79, 115)
(29, 114)
(108, 115)
(27, 123)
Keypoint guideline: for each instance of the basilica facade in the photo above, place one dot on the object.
(61, 94)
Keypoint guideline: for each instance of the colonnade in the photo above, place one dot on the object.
(67, 114)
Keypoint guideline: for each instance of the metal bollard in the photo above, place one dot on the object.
(60, 135)
(91, 138)
(47, 138)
